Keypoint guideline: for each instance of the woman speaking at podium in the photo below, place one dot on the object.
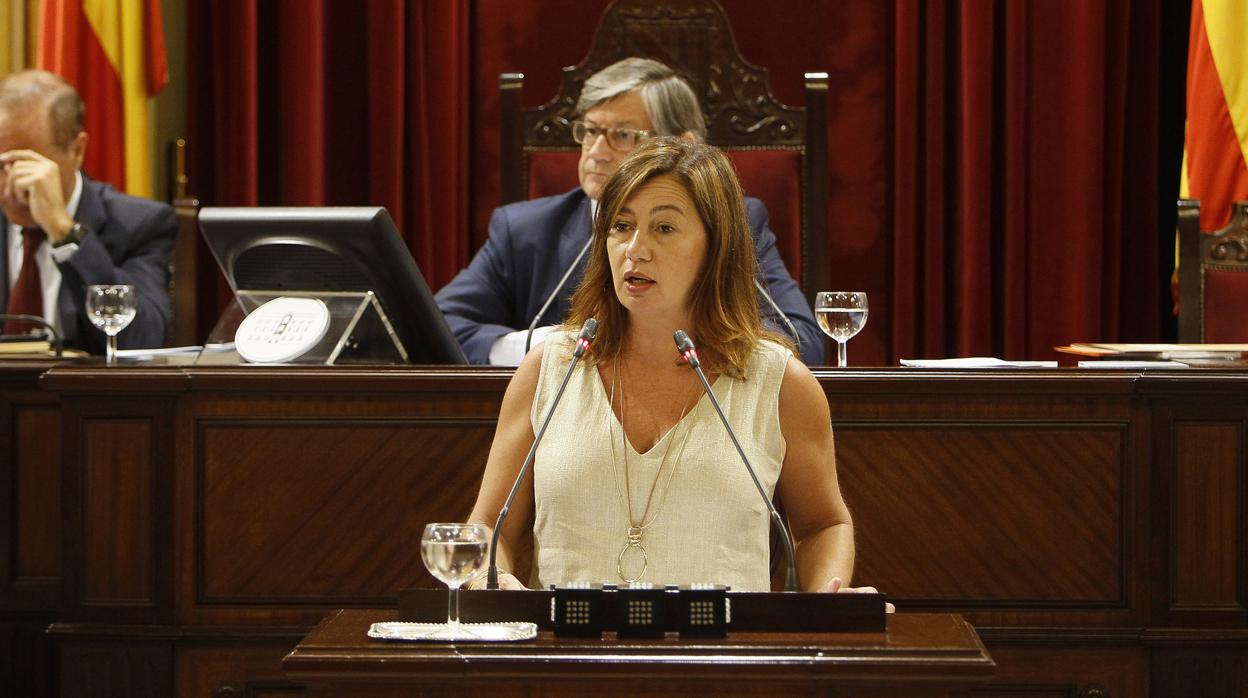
(636, 478)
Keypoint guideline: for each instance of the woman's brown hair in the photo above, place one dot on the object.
(727, 325)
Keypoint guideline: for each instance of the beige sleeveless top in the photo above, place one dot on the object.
(710, 525)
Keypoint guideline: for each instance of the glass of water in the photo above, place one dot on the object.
(111, 307)
(454, 553)
(841, 315)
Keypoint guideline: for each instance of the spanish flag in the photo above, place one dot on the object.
(113, 52)
(1215, 146)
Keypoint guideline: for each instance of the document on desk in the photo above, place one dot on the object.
(1163, 352)
(1110, 363)
(976, 362)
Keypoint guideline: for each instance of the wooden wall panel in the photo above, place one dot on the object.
(1199, 671)
(26, 656)
(117, 519)
(114, 668)
(1057, 672)
(37, 484)
(231, 671)
(328, 510)
(1208, 523)
(1006, 514)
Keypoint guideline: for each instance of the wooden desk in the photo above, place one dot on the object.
(30, 527)
(919, 655)
(1091, 525)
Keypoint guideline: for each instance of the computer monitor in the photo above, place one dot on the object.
(332, 249)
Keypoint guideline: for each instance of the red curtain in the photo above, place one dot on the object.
(320, 103)
(993, 166)
(1025, 176)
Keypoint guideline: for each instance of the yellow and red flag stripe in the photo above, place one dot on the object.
(113, 52)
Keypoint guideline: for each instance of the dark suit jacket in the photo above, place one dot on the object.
(532, 244)
(128, 242)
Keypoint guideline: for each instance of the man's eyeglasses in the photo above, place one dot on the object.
(621, 139)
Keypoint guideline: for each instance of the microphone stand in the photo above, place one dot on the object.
(583, 340)
(57, 343)
(528, 339)
(784, 319)
(687, 350)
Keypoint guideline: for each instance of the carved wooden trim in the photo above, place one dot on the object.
(248, 689)
(1222, 250)
(696, 40)
(1231, 240)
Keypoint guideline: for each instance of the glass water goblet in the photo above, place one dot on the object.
(841, 315)
(111, 307)
(454, 553)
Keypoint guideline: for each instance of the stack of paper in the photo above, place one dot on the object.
(1180, 352)
(976, 362)
(1112, 363)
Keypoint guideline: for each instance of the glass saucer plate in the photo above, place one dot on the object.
(468, 632)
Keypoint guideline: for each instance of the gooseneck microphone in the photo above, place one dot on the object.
(784, 319)
(528, 339)
(583, 340)
(685, 346)
(55, 341)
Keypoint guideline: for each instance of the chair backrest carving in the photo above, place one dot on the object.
(1213, 277)
(742, 116)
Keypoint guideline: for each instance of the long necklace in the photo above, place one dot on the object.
(637, 527)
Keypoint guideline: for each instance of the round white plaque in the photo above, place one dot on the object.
(282, 330)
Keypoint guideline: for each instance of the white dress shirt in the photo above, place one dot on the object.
(47, 258)
(508, 350)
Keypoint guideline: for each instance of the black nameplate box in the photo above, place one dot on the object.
(689, 611)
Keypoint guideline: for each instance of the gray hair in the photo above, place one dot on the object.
(670, 102)
(33, 89)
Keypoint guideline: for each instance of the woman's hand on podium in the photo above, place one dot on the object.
(834, 586)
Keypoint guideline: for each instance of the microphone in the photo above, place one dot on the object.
(784, 319)
(56, 341)
(583, 340)
(685, 346)
(528, 339)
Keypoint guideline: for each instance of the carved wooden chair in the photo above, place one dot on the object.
(1213, 277)
(780, 151)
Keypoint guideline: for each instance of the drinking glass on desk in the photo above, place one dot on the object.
(454, 553)
(841, 315)
(111, 307)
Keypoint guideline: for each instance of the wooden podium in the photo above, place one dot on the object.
(922, 654)
(183, 528)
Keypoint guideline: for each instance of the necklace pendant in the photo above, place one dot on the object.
(634, 541)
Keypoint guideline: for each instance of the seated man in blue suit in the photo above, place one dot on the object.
(532, 244)
(63, 232)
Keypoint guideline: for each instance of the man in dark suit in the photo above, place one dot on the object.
(532, 244)
(63, 232)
